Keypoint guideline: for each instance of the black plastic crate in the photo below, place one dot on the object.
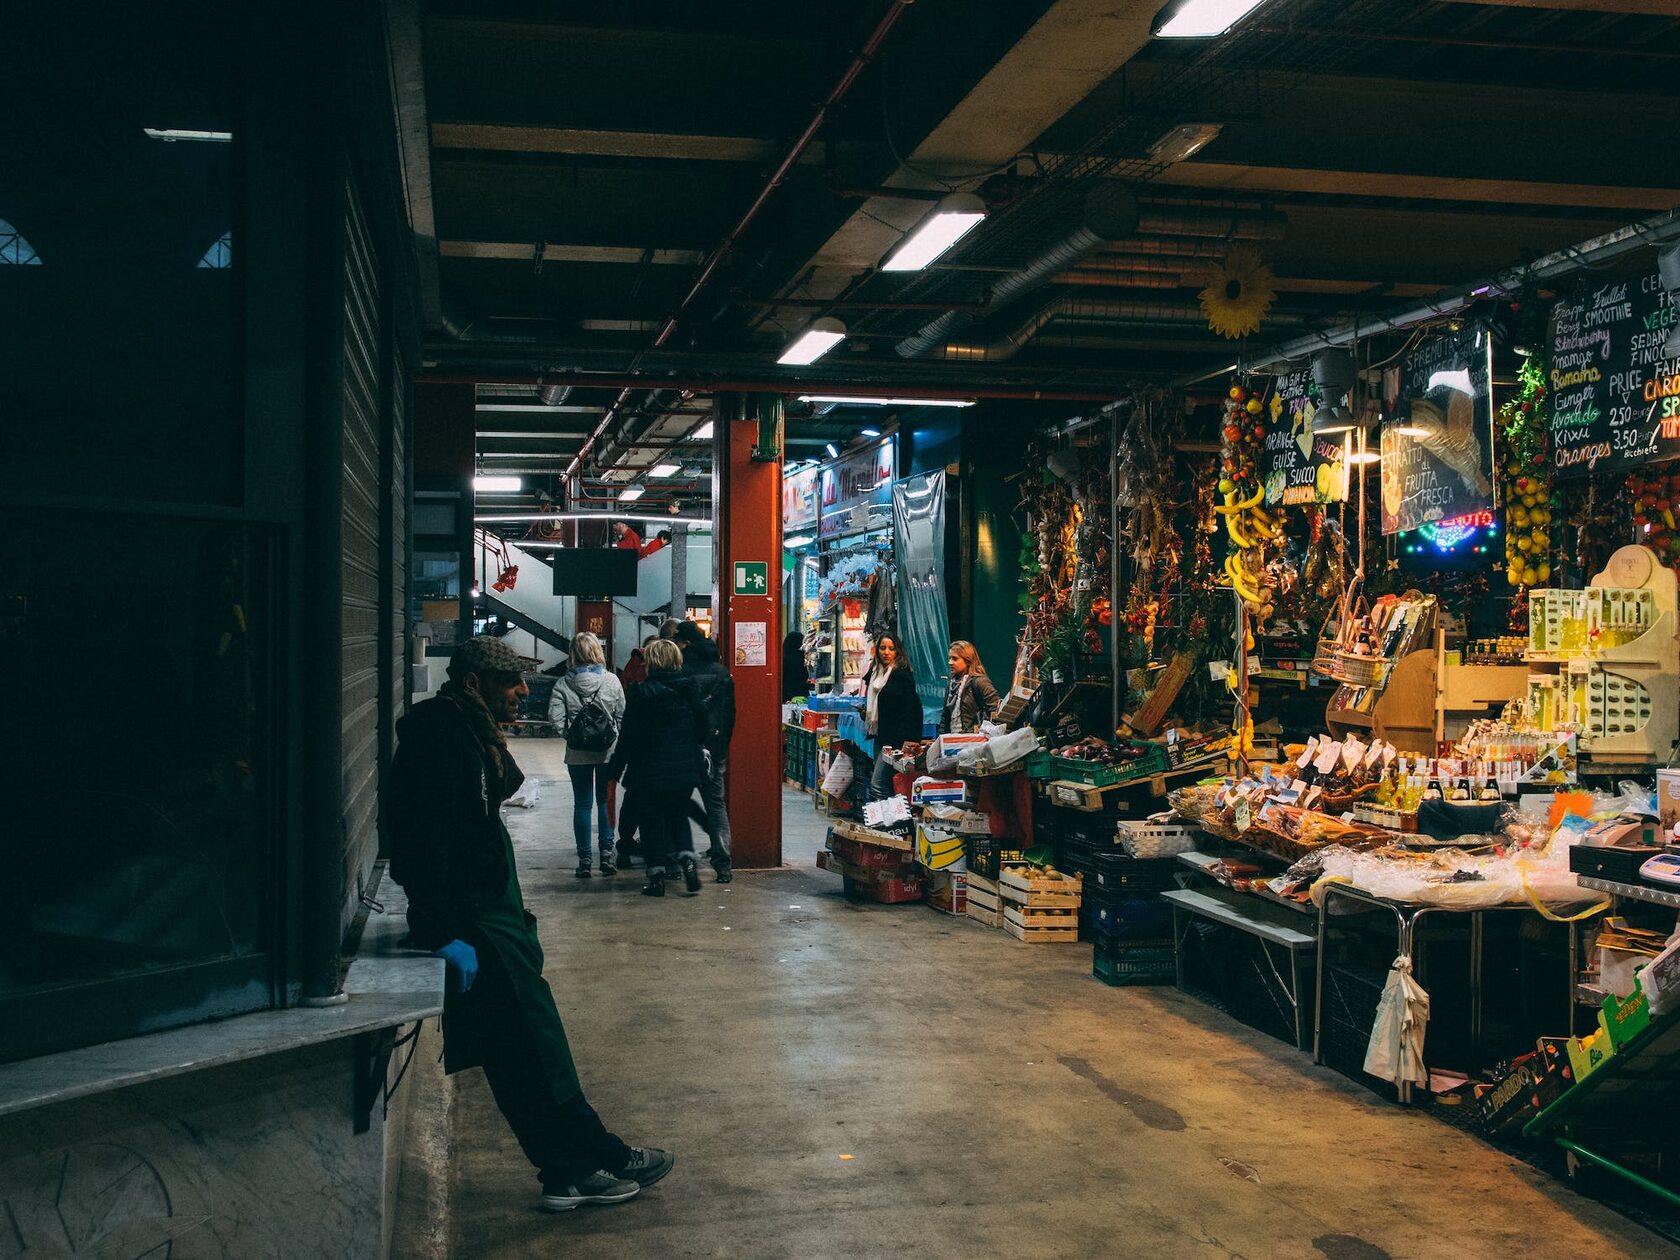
(1127, 917)
(1117, 870)
(1237, 971)
(1133, 963)
(1351, 995)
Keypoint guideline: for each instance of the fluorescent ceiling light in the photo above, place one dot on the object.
(946, 224)
(870, 432)
(703, 432)
(1198, 19)
(797, 541)
(1183, 141)
(177, 133)
(817, 340)
(497, 483)
(491, 518)
(858, 400)
(833, 451)
(631, 493)
(665, 470)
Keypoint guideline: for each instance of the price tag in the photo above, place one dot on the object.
(1240, 814)
(1066, 794)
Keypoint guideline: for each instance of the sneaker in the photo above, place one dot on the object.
(608, 866)
(724, 873)
(598, 1187)
(647, 1165)
(583, 870)
(691, 875)
(655, 886)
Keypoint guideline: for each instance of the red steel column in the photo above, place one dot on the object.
(747, 515)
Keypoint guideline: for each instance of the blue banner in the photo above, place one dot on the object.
(923, 619)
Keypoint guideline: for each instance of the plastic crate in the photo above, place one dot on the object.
(1129, 918)
(1116, 871)
(1141, 963)
(1042, 765)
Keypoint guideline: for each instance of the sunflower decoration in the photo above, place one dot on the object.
(1239, 292)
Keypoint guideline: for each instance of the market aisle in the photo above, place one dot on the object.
(859, 1080)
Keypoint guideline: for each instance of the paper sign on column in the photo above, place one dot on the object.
(752, 643)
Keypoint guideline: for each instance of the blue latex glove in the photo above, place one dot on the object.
(463, 961)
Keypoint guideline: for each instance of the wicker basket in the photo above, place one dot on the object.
(1356, 670)
(1155, 839)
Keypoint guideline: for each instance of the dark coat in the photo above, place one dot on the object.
(978, 703)
(717, 692)
(665, 728)
(443, 810)
(898, 715)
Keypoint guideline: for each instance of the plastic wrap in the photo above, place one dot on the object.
(1458, 879)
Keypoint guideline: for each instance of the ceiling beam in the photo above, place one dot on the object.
(593, 142)
(1656, 8)
(515, 251)
(1238, 177)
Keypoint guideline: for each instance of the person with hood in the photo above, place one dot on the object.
(587, 706)
(661, 760)
(970, 698)
(892, 711)
(717, 691)
(451, 853)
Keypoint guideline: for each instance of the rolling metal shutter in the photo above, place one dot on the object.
(396, 583)
(360, 548)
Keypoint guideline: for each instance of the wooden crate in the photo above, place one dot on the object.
(1030, 918)
(1020, 886)
(1042, 935)
(986, 898)
(988, 918)
(868, 835)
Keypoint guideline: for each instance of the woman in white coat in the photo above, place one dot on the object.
(588, 707)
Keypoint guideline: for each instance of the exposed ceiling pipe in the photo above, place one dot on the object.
(842, 85)
(1074, 307)
(1110, 214)
(1657, 230)
(634, 423)
(554, 395)
(815, 385)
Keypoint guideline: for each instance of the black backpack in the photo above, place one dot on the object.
(591, 728)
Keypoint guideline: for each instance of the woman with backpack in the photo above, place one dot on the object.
(588, 708)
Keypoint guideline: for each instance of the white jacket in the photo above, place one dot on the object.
(591, 682)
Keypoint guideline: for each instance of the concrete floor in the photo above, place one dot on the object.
(861, 1080)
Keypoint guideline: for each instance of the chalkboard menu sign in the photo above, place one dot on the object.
(1437, 436)
(1615, 396)
(1295, 466)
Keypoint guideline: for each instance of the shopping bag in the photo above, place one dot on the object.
(1395, 1052)
(526, 797)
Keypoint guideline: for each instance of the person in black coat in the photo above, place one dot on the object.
(892, 711)
(717, 691)
(795, 682)
(970, 698)
(661, 758)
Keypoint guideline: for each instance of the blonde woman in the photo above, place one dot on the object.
(588, 707)
(970, 698)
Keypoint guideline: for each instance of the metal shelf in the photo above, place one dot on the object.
(1637, 892)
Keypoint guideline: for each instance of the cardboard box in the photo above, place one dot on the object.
(1668, 798)
(947, 891)
(939, 850)
(926, 791)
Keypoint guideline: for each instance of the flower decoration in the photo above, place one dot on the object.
(1239, 292)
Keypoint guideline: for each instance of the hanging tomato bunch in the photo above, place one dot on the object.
(1529, 505)
(1656, 509)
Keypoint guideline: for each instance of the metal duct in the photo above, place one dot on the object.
(1110, 214)
(632, 424)
(1078, 308)
(554, 395)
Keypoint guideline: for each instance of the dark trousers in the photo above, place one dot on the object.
(663, 819)
(556, 1128)
(565, 1140)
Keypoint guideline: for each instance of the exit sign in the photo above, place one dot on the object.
(752, 577)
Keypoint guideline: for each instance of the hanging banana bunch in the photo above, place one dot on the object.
(1249, 526)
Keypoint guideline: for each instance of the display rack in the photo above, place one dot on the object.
(1605, 661)
(1400, 705)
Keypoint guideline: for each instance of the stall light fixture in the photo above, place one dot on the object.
(1199, 19)
(870, 433)
(797, 541)
(1413, 431)
(858, 400)
(833, 451)
(819, 337)
(1364, 457)
(172, 134)
(493, 485)
(703, 432)
(664, 470)
(1183, 141)
(951, 219)
(631, 493)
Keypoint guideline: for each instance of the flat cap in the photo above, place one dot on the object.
(488, 655)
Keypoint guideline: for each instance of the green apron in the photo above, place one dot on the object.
(510, 1009)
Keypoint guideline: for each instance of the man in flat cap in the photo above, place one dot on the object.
(451, 853)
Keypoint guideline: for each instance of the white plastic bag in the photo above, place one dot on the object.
(526, 797)
(1396, 1049)
(839, 776)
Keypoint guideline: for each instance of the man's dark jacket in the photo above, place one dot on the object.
(443, 810)
(665, 727)
(717, 691)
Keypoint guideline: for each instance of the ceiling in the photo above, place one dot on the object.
(595, 195)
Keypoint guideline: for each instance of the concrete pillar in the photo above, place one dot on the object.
(679, 571)
(747, 550)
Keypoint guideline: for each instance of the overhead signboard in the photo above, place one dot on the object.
(800, 500)
(1297, 467)
(1615, 390)
(857, 491)
(1437, 434)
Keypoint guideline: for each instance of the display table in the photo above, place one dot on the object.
(1271, 925)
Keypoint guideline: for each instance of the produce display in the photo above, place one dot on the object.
(1103, 753)
(1249, 526)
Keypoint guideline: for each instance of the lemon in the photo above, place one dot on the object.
(1525, 544)
(1520, 517)
(1544, 571)
(1541, 538)
(1513, 575)
(1530, 575)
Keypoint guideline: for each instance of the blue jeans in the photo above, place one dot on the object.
(590, 782)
